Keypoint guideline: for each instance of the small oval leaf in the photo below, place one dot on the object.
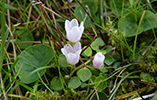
(109, 59)
(55, 84)
(84, 74)
(74, 82)
(63, 61)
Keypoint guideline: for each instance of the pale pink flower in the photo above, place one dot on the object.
(98, 60)
(72, 54)
(73, 30)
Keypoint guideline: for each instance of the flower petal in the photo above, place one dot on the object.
(67, 25)
(98, 60)
(72, 58)
(75, 34)
(74, 22)
(63, 50)
(82, 24)
(77, 46)
(68, 48)
(78, 53)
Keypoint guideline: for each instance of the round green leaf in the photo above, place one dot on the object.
(97, 43)
(33, 60)
(55, 84)
(84, 74)
(102, 51)
(74, 82)
(24, 35)
(83, 85)
(63, 61)
(95, 46)
(149, 21)
(108, 48)
(88, 51)
(103, 69)
(102, 84)
(128, 25)
(109, 59)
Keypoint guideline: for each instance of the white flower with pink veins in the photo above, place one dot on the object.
(73, 30)
(72, 54)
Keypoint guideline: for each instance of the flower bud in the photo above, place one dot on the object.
(98, 60)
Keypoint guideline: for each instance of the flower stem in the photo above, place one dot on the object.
(79, 67)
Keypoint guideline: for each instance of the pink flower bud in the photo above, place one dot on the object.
(72, 54)
(73, 30)
(98, 60)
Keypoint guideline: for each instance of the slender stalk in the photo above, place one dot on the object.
(93, 90)
(45, 84)
(122, 53)
(78, 68)
(110, 98)
(2, 45)
(2, 86)
(137, 34)
(60, 77)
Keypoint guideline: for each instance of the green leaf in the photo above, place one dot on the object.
(98, 42)
(55, 84)
(22, 36)
(103, 69)
(83, 85)
(74, 82)
(95, 46)
(102, 51)
(129, 24)
(31, 61)
(108, 48)
(102, 85)
(116, 6)
(88, 51)
(116, 64)
(84, 74)
(149, 21)
(102, 96)
(63, 61)
(8, 6)
(109, 59)
(93, 77)
(80, 13)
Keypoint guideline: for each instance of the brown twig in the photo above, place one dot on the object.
(69, 9)
(26, 95)
(2, 86)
